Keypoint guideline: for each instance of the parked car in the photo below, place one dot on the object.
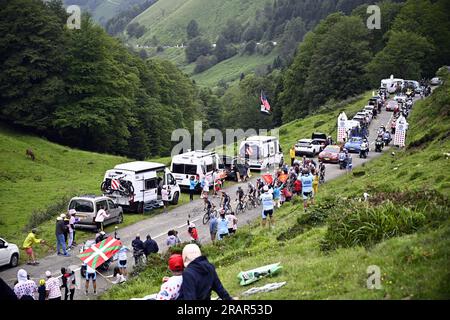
(436, 81)
(307, 147)
(86, 208)
(354, 144)
(392, 105)
(330, 154)
(400, 98)
(364, 114)
(9, 253)
(359, 118)
(321, 137)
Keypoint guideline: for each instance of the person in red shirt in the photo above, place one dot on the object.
(297, 187)
(192, 230)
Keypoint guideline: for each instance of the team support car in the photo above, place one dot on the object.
(354, 144)
(9, 253)
(330, 154)
(307, 147)
(435, 81)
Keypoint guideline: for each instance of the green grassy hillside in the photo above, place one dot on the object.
(167, 19)
(404, 228)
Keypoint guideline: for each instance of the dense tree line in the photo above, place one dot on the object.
(85, 89)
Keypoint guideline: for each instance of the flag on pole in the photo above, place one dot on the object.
(268, 179)
(265, 106)
(97, 254)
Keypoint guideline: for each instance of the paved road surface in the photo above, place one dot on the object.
(158, 226)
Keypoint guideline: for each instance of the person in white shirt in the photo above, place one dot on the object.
(231, 222)
(100, 217)
(165, 191)
(25, 288)
(52, 287)
(170, 289)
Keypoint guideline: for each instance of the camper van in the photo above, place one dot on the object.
(391, 84)
(135, 184)
(200, 163)
(261, 152)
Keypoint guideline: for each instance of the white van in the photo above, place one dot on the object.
(133, 184)
(261, 152)
(391, 84)
(199, 163)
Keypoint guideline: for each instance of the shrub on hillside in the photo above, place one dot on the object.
(51, 212)
(359, 225)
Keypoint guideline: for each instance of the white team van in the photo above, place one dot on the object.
(199, 163)
(392, 85)
(261, 152)
(134, 184)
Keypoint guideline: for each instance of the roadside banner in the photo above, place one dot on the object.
(341, 134)
(268, 179)
(400, 132)
(97, 254)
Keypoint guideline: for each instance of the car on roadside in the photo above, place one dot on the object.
(307, 147)
(400, 98)
(359, 118)
(392, 105)
(321, 137)
(354, 144)
(9, 253)
(367, 114)
(87, 206)
(436, 81)
(330, 154)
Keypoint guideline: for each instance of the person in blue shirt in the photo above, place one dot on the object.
(277, 194)
(213, 223)
(268, 206)
(192, 184)
(307, 187)
(222, 226)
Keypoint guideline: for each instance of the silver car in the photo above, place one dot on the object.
(86, 208)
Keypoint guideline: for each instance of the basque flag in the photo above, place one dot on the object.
(97, 254)
(265, 106)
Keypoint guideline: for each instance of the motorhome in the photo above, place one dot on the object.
(392, 84)
(261, 152)
(135, 184)
(197, 164)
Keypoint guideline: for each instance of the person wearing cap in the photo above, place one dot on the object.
(268, 205)
(192, 230)
(41, 290)
(199, 277)
(52, 287)
(25, 289)
(60, 240)
(170, 289)
(30, 240)
(307, 187)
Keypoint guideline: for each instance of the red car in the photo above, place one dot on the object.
(330, 154)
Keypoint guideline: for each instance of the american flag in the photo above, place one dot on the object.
(265, 106)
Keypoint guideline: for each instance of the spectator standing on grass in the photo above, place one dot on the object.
(72, 221)
(150, 246)
(122, 259)
(192, 184)
(268, 206)
(316, 182)
(60, 241)
(31, 240)
(52, 287)
(307, 187)
(199, 277)
(165, 191)
(222, 226)
(66, 230)
(100, 217)
(25, 289)
(213, 227)
(172, 239)
(231, 222)
(292, 154)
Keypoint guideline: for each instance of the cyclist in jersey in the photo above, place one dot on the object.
(240, 194)
(267, 203)
(208, 205)
(307, 187)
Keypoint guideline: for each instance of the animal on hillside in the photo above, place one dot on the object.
(30, 153)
